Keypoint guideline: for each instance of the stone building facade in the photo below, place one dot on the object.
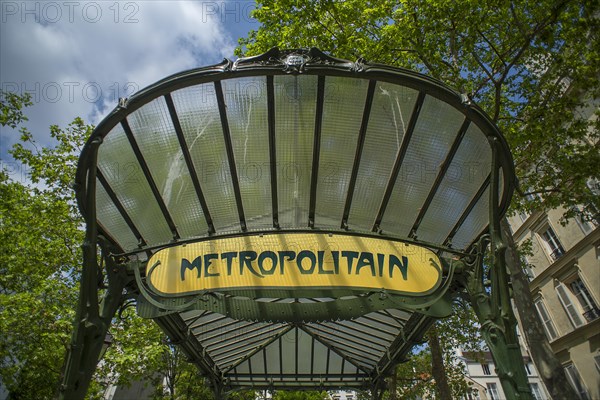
(564, 274)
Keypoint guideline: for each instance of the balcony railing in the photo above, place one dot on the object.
(592, 314)
(556, 253)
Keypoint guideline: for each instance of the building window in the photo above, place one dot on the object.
(589, 307)
(493, 391)
(545, 317)
(535, 391)
(570, 307)
(523, 215)
(554, 246)
(473, 395)
(575, 381)
(486, 369)
(528, 368)
(528, 273)
(585, 226)
(597, 361)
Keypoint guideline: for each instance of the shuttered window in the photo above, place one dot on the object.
(545, 317)
(570, 307)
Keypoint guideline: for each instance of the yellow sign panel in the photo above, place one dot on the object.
(294, 261)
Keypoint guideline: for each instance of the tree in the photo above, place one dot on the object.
(141, 352)
(40, 264)
(40, 253)
(421, 375)
(533, 66)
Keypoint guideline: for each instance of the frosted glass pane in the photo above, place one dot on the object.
(243, 368)
(467, 172)
(288, 344)
(390, 115)
(335, 364)
(320, 359)
(342, 116)
(246, 101)
(201, 124)
(304, 359)
(295, 106)
(478, 219)
(118, 164)
(474, 223)
(272, 354)
(434, 134)
(403, 315)
(155, 135)
(342, 335)
(110, 218)
(244, 341)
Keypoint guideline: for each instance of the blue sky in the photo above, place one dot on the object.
(76, 58)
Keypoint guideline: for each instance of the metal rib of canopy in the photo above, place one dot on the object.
(293, 141)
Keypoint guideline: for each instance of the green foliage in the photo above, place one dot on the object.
(39, 277)
(136, 352)
(40, 257)
(414, 378)
(533, 66)
(12, 106)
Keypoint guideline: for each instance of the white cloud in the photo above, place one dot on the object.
(78, 58)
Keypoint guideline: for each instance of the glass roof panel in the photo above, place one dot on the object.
(474, 223)
(110, 218)
(201, 124)
(467, 172)
(400, 314)
(342, 116)
(288, 345)
(389, 118)
(304, 360)
(155, 135)
(436, 130)
(295, 107)
(347, 336)
(118, 164)
(273, 355)
(246, 102)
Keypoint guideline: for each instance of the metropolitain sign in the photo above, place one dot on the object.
(294, 261)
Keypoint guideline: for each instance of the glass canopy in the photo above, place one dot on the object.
(293, 142)
(254, 147)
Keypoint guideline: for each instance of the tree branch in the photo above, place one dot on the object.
(485, 39)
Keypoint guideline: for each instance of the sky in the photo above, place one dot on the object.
(77, 58)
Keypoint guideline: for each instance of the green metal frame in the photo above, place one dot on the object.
(95, 311)
(489, 295)
(490, 298)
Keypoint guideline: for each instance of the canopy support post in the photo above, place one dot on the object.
(378, 390)
(493, 306)
(218, 390)
(93, 317)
